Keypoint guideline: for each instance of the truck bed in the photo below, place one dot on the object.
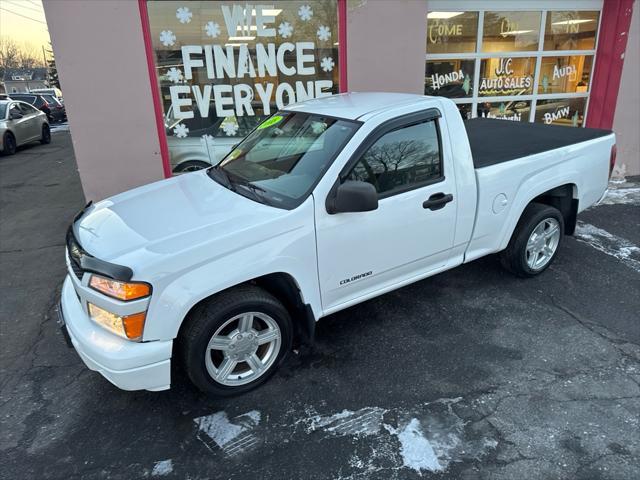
(496, 141)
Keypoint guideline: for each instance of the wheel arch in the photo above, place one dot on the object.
(564, 197)
(286, 289)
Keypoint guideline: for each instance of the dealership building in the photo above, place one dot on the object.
(154, 88)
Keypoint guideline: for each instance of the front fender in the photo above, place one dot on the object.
(293, 253)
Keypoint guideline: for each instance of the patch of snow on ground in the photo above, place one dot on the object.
(233, 437)
(417, 452)
(622, 196)
(219, 428)
(365, 421)
(162, 468)
(610, 244)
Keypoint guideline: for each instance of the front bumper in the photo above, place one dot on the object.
(128, 365)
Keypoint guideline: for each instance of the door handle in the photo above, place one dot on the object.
(437, 201)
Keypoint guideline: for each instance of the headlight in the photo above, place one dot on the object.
(129, 326)
(121, 290)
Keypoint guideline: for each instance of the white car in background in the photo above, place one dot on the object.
(21, 123)
(208, 140)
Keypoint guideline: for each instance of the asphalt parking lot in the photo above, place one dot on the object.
(470, 374)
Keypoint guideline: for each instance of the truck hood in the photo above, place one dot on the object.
(167, 217)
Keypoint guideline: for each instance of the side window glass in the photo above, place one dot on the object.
(14, 109)
(399, 160)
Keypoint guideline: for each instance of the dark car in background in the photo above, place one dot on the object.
(47, 103)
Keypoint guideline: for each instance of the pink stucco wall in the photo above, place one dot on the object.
(626, 122)
(102, 66)
(386, 45)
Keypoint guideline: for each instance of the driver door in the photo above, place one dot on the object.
(412, 230)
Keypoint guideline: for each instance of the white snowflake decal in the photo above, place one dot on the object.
(213, 29)
(305, 13)
(229, 127)
(167, 38)
(285, 29)
(318, 127)
(324, 33)
(184, 15)
(207, 138)
(174, 74)
(327, 64)
(181, 130)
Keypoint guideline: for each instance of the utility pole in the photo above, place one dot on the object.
(44, 56)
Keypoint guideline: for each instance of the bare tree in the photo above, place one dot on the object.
(14, 55)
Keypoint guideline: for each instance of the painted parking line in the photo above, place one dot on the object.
(612, 245)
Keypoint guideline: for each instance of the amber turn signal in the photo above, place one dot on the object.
(120, 290)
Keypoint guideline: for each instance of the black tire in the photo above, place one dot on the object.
(9, 144)
(209, 316)
(514, 257)
(191, 166)
(46, 134)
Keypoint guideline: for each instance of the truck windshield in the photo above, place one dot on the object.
(284, 157)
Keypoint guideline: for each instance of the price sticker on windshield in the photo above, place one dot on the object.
(270, 121)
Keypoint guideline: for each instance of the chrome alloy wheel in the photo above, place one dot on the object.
(243, 348)
(543, 243)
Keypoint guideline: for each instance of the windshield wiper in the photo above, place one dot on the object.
(221, 176)
(256, 190)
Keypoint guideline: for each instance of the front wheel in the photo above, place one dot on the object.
(190, 166)
(9, 144)
(235, 341)
(535, 241)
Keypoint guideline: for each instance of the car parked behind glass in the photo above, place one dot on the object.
(21, 123)
(207, 140)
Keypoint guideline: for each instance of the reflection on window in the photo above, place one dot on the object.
(571, 30)
(565, 74)
(568, 112)
(466, 110)
(514, 110)
(510, 31)
(449, 78)
(223, 67)
(452, 32)
(400, 159)
(506, 76)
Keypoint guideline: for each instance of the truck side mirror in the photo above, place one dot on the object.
(352, 196)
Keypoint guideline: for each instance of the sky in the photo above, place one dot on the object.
(24, 21)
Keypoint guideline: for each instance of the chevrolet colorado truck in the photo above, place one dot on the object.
(325, 204)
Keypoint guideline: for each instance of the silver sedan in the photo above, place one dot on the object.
(20, 123)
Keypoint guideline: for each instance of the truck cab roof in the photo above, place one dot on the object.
(355, 105)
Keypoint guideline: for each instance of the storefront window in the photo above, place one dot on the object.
(510, 31)
(449, 78)
(506, 76)
(565, 74)
(571, 30)
(567, 111)
(223, 67)
(514, 110)
(509, 74)
(466, 110)
(452, 32)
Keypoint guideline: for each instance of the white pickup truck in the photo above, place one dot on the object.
(326, 204)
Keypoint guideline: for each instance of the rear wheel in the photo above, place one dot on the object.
(535, 241)
(9, 144)
(46, 134)
(236, 341)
